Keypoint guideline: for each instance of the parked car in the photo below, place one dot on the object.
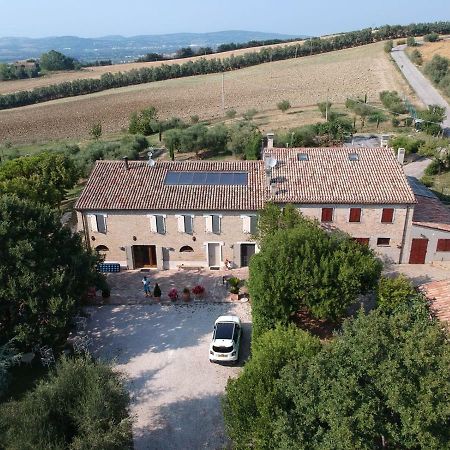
(226, 340)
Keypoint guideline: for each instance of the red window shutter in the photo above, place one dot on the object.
(388, 215)
(443, 245)
(327, 214)
(355, 215)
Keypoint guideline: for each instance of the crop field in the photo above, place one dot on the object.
(429, 49)
(97, 72)
(303, 81)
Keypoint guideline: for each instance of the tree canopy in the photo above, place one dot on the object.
(45, 270)
(383, 382)
(83, 404)
(43, 178)
(302, 265)
(54, 60)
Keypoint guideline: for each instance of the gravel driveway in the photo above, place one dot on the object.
(423, 87)
(163, 349)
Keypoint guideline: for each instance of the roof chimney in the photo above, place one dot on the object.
(401, 156)
(125, 162)
(270, 140)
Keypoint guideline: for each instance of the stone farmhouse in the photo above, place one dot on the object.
(203, 213)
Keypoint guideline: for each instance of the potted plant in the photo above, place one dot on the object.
(106, 292)
(198, 291)
(233, 287)
(173, 294)
(157, 292)
(186, 294)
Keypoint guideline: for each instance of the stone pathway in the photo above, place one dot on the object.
(126, 286)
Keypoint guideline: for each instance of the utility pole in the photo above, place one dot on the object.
(223, 93)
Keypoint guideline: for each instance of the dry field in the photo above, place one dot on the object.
(429, 49)
(97, 72)
(303, 81)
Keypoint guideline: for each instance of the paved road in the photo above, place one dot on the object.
(423, 87)
(417, 168)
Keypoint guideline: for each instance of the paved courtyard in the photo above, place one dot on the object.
(163, 350)
(126, 287)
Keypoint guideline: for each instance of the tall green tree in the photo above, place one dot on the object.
(45, 271)
(301, 265)
(249, 403)
(54, 60)
(42, 178)
(82, 405)
(383, 383)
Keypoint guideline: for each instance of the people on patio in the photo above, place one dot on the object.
(146, 284)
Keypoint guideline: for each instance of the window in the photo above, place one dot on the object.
(362, 241)
(185, 224)
(327, 215)
(383, 242)
(216, 224)
(249, 224)
(98, 223)
(302, 157)
(188, 224)
(387, 215)
(102, 248)
(443, 245)
(186, 249)
(355, 215)
(158, 223)
(353, 157)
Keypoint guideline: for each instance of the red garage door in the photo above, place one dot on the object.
(418, 251)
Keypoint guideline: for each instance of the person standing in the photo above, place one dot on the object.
(146, 284)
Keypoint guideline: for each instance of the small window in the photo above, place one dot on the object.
(355, 215)
(102, 248)
(216, 224)
(362, 241)
(443, 245)
(160, 225)
(327, 215)
(383, 242)
(253, 225)
(353, 157)
(388, 215)
(186, 249)
(302, 157)
(101, 223)
(188, 224)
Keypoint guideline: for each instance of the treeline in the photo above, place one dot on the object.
(19, 71)
(204, 66)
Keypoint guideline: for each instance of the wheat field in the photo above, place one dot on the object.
(303, 81)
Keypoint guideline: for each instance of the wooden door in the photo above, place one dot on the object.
(144, 256)
(247, 251)
(418, 251)
(152, 255)
(214, 255)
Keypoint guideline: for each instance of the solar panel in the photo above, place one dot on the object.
(206, 178)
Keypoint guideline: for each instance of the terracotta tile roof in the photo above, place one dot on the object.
(111, 186)
(438, 292)
(429, 212)
(330, 177)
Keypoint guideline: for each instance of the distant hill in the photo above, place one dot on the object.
(120, 48)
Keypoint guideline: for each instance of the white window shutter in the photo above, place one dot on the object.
(93, 221)
(153, 227)
(208, 224)
(181, 224)
(246, 224)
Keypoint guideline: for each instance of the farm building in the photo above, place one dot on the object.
(204, 213)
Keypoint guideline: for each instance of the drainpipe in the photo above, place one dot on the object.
(405, 230)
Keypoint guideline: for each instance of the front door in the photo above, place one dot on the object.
(144, 256)
(214, 258)
(247, 251)
(418, 251)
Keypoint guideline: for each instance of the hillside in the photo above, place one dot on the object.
(303, 81)
(120, 48)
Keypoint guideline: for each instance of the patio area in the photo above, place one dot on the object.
(127, 287)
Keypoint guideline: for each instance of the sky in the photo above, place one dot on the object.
(94, 18)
